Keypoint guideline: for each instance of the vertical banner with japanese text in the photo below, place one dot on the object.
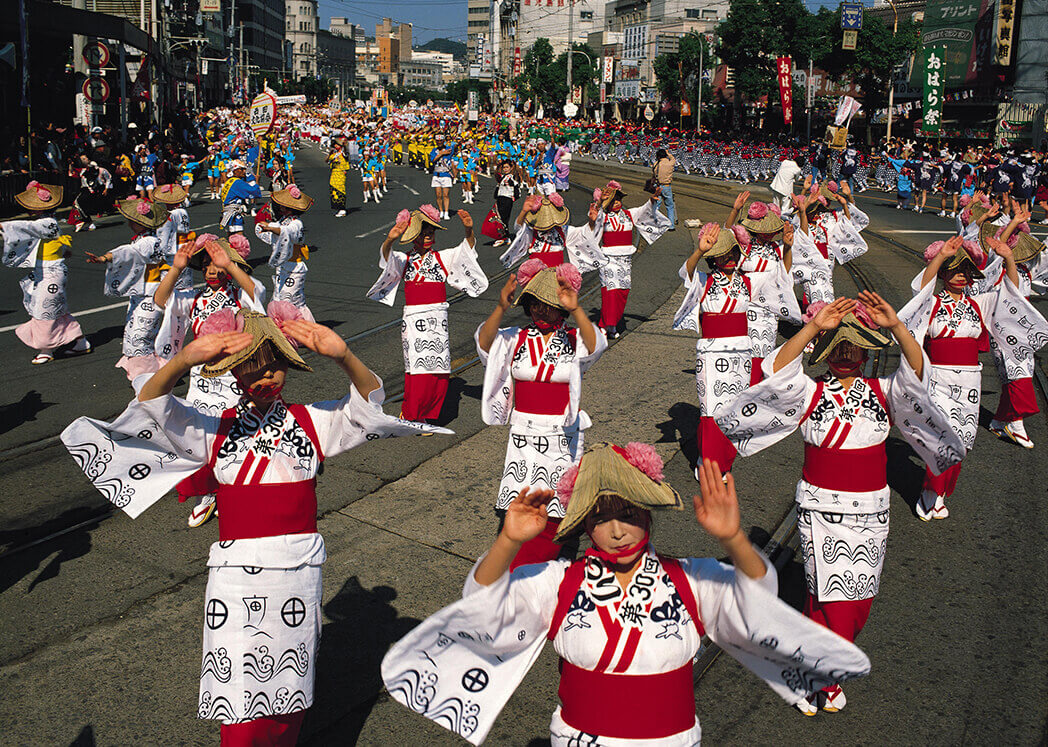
(784, 65)
(934, 82)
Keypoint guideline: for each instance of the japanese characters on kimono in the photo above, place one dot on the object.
(832, 237)
(627, 654)
(534, 386)
(764, 256)
(716, 306)
(37, 246)
(950, 331)
(186, 311)
(288, 260)
(579, 245)
(843, 494)
(173, 233)
(262, 604)
(615, 232)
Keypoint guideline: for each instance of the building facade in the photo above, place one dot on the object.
(422, 74)
(301, 27)
(478, 23)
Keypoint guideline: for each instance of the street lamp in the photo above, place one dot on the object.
(891, 75)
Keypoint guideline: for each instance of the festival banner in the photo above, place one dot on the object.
(963, 30)
(932, 67)
(785, 67)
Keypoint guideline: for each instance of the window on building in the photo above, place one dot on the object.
(586, 15)
(692, 13)
(709, 14)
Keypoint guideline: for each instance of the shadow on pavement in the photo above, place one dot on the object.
(86, 737)
(682, 428)
(905, 471)
(457, 391)
(364, 624)
(75, 544)
(100, 337)
(22, 411)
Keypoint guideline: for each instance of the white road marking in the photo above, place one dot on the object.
(77, 314)
(373, 231)
(412, 190)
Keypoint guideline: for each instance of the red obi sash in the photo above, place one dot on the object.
(417, 293)
(854, 470)
(824, 249)
(952, 351)
(723, 325)
(627, 706)
(550, 259)
(618, 238)
(541, 397)
(268, 510)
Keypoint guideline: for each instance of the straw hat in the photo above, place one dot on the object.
(169, 194)
(143, 212)
(262, 330)
(850, 330)
(196, 261)
(606, 471)
(958, 260)
(417, 220)
(768, 223)
(547, 216)
(544, 287)
(610, 193)
(726, 240)
(39, 196)
(293, 198)
(1027, 248)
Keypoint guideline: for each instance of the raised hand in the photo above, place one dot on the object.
(95, 259)
(787, 235)
(717, 508)
(593, 213)
(398, 229)
(568, 296)
(951, 246)
(219, 256)
(182, 256)
(316, 337)
(709, 238)
(506, 295)
(1000, 248)
(526, 515)
(740, 200)
(881, 312)
(214, 347)
(830, 316)
(466, 218)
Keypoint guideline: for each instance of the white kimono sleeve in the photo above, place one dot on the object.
(923, 425)
(917, 314)
(794, 655)
(126, 274)
(583, 247)
(493, 635)
(844, 241)
(347, 423)
(687, 316)
(773, 291)
(284, 242)
(385, 288)
(649, 222)
(1039, 274)
(150, 447)
(496, 402)
(21, 238)
(518, 248)
(808, 265)
(768, 412)
(1017, 328)
(464, 271)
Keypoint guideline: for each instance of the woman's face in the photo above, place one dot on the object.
(616, 205)
(544, 313)
(264, 385)
(426, 238)
(614, 532)
(957, 280)
(846, 360)
(728, 262)
(213, 276)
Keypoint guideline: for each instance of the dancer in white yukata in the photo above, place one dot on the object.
(426, 273)
(716, 306)
(953, 326)
(615, 227)
(262, 612)
(833, 235)
(37, 245)
(289, 250)
(543, 233)
(533, 383)
(844, 418)
(626, 621)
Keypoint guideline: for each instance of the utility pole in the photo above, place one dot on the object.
(243, 70)
(571, 42)
(808, 96)
(698, 103)
(891, 75)
(229, 42)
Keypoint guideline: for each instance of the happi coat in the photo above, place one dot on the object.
(843, 495)
(262, 610)
(288, 260)
(534, 386)
(615, 233)
(765, 256)
(424, 333)
(460, 666)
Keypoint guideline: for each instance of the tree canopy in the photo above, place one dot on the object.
(546, 78)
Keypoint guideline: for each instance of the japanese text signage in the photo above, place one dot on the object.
(963, 32)
(1005, 31)
(784, 66)
(934, 81)
(851, 17)
(609, 69)
(263, 114)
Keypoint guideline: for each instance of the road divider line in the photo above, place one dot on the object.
(373, 231)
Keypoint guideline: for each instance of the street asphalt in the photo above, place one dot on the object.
(102, 639)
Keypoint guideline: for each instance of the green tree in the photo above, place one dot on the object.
(669, 69)
(877, 53)
(458, 90)
(538, 73)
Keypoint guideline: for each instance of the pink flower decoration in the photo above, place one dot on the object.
(643, 457)
(32, 185)
(223, 320)
(757, 210)
(832, 186)
(984, 201)
(43, 194)
(773, 207)
(932, 250)
(556, 200)
(742, 236)
(966, 216)
(240, 243)
(403, 216)
(142, 208)
(294, 191)
(570, 274)
(430, 212)
(204, 238)
(706, 229)
(284, 311)
(863, 315)
(975, 251)
(534, 204)
(813, 308)
(614, 185)
(597, 195)
(965, 199)
(167, 188)
(566, 486)
(529, 269)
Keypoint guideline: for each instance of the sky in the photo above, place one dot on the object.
(431, 18)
